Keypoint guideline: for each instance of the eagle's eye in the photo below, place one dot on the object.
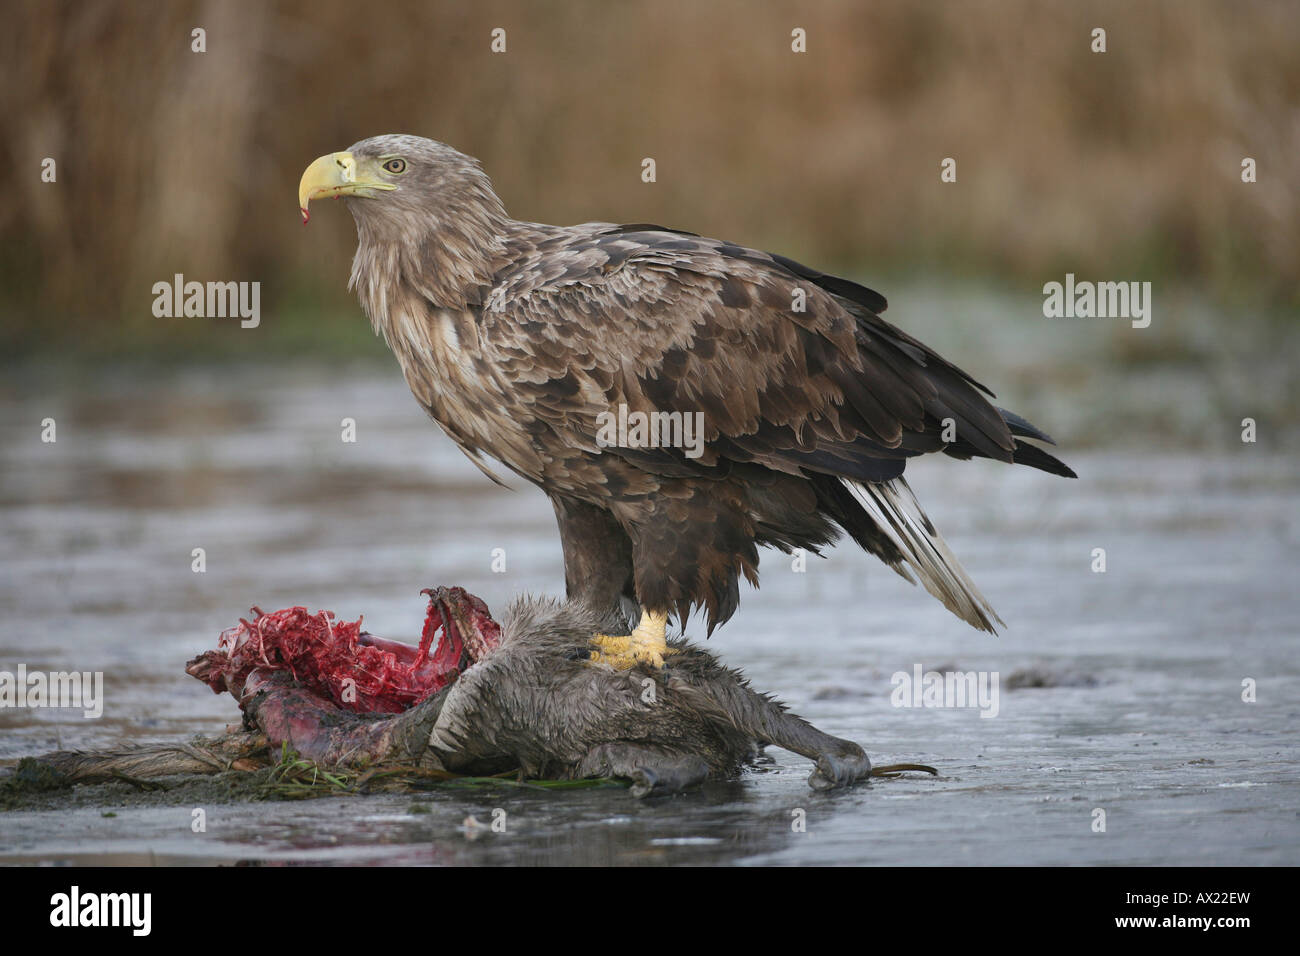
(395, 165)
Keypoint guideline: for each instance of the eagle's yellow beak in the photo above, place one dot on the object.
(334, 175)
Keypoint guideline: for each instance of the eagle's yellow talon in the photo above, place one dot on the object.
(647, 644)
(613, 643)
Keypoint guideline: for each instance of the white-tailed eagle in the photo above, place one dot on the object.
(525, 341)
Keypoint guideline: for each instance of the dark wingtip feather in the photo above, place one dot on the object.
(1035, 457)
(647, 227)
(844, 288)
(1023, 428)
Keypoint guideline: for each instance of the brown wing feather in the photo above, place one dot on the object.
(671, 322)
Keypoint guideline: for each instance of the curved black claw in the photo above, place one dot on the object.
(898, 769)
(840, 769)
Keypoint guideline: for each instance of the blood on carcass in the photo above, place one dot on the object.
(340, 662)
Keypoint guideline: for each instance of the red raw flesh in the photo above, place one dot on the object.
(341, 663)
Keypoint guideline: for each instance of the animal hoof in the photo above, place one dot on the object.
(644, 782)
(669, 776)
(839, 770)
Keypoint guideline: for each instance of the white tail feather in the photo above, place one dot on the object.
(897, 513)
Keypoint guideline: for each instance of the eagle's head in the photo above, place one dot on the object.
(419, 199)
(400, 186)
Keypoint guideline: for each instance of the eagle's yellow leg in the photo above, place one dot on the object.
(647, 644)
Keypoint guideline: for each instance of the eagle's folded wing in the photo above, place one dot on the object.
(791, 369)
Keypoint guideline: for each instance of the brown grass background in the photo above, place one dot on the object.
(1117, 166)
